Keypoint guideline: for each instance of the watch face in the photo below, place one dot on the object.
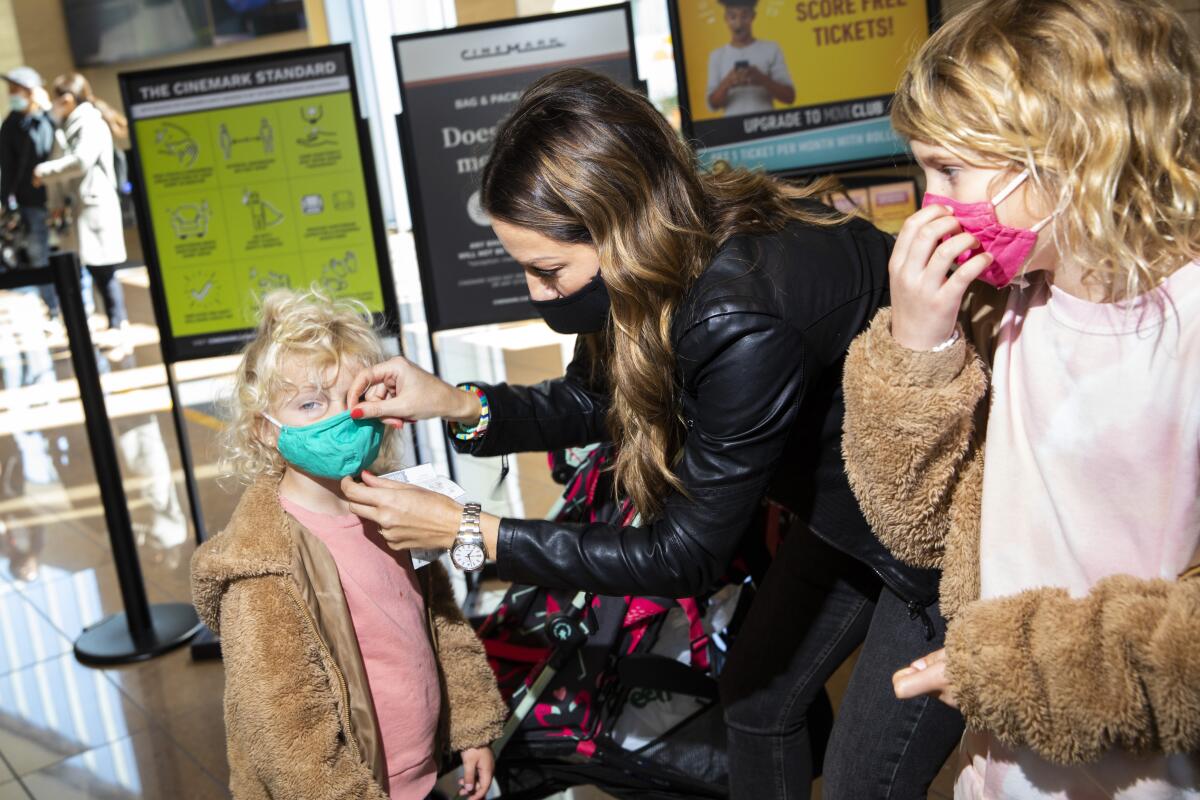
(468, 557)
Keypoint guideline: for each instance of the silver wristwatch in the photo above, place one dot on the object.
(467, 552)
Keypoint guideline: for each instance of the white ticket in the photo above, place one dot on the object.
(423, 475)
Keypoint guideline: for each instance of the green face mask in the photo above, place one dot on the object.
(331, 448)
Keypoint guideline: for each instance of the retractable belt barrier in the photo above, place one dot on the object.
(141, 631)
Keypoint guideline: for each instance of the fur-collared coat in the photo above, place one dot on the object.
(299, 718)
(1068, 677)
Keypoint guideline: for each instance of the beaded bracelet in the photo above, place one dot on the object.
(463, 433)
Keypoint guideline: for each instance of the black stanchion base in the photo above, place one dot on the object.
(108, 641)
(206, 646)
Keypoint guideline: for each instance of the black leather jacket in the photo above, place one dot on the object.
(759, 344)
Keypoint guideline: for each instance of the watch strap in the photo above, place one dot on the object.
(469, 531)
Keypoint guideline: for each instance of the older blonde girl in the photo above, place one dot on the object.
(1027, 415)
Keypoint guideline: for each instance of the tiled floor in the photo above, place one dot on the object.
(150, 730)
(68, 731)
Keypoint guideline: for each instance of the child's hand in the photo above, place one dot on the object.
(925, 676)
(926, 296)
(479, 764)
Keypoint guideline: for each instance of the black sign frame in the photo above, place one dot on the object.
(404, 123)
(177, 349)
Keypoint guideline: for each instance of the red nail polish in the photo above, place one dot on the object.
(356, 413)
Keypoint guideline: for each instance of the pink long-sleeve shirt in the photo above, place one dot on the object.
(388, 611)
(1092, 469)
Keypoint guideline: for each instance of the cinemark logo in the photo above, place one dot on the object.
(510, 48)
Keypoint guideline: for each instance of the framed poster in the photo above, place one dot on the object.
(886, 204)
(791, 86)
(253, 174)
(456, 86)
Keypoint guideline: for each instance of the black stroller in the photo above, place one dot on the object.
(617, 692)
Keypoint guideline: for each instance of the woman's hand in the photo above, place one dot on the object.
(925, 676)
(398, 391)
(926, 295)
(412, 518)
(409, 517)
(479, 764)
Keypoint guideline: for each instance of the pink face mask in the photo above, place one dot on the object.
(1008, 246)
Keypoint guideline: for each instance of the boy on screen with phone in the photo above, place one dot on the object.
(748, 75)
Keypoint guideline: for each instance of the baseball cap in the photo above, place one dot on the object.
(24, 76)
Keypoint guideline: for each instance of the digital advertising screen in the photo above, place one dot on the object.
(794, 85)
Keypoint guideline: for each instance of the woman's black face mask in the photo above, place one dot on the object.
(584, 311)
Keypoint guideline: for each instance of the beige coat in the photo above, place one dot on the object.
(1069, 678)
(299, 718)
(84, 171)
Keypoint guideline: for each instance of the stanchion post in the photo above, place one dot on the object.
(141, 631)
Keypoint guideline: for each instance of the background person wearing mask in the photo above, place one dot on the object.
(87, 173)
(26, 140)
(747, 75)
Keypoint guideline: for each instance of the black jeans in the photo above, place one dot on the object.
(111, 294)
(814, 608)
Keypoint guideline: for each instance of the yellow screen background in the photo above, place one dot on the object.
(822, 74)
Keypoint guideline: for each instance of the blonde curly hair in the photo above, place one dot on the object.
(1098, 99)
(328, 335)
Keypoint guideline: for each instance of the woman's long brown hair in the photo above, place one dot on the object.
(585, 160)
(77, 86)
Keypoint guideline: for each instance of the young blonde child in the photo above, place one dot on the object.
(1061, 144)
(348, 674)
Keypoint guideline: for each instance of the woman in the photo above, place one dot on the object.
(716, 309)
(26, 139)
(87, 173)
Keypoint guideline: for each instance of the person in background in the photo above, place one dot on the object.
(87, 174)
(26, 140)
(748, 75)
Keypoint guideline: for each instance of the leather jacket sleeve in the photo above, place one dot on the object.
(563, 412)
(744, 378)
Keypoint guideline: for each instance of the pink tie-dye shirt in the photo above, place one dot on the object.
(1092, 469)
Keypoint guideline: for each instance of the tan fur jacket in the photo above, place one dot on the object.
(1069, 678)
(299, 718)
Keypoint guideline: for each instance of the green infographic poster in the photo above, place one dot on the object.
(253, 181)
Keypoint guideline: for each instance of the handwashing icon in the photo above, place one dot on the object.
(315, 136)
